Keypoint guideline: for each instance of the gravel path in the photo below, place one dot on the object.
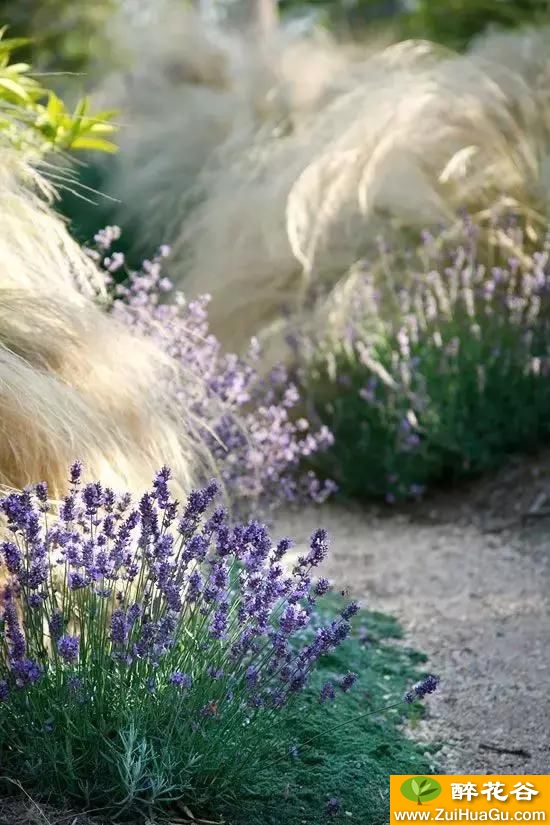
(478, 605)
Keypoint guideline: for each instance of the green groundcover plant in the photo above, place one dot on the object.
(156, 654)
(443, 367)
(342, 774)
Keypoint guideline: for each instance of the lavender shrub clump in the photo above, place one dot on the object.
(158, 642)
(258, 441)
(444, 366)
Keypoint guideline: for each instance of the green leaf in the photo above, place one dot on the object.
(101, 128)
(106, 114)
(55, 107)
(14, 87)
(12, 43)
(414, 786)
(426, 791)
(424, 782)
(81, 108)
(97, 144)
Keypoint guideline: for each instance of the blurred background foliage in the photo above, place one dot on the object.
(68, 35)
(64, 35)
(451, 22)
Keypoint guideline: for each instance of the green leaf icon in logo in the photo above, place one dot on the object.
(420, 789)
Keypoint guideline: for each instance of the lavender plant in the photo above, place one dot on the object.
(149, 652)
(253, 429)
(443, 370)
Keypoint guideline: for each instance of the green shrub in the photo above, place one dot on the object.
(442, 370)
(451, 22)
(63, 35)
(456, 22)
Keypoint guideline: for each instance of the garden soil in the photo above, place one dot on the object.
(468, 575)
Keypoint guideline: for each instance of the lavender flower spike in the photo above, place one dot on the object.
(68, 647)
(422, 689)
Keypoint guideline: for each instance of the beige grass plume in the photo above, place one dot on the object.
(422, 132)
(191, 88)
(73, 384)
(273, 164)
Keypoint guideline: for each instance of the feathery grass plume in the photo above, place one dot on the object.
(191, 88)
(73, 381)
(273, 167)
(422, 132)
(177, 103)
(36, 248)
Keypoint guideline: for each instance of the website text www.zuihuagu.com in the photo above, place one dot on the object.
(466, 815)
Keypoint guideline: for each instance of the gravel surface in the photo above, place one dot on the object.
(477, 603)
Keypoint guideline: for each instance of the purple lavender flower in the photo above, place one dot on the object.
(348, 681)
(119, 627)
(219, 624)
(251, 676)
(68, 648)
(77, 580)
(56, 624)
(75, 473)
(283, 546)
(75, 683)
(328, 693)
(14, 632)
(41, 490)
(4, 690)
(340, 631)
(35, 576)
(134, 612)
(219, 576)
(292, 619)
(12, 555)
(350, 610)
(194, 586)
(319, 548)
(67, 511)
(322, 586)
(181, 680)
(422, 688)
(26, 672)
(160, 485)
